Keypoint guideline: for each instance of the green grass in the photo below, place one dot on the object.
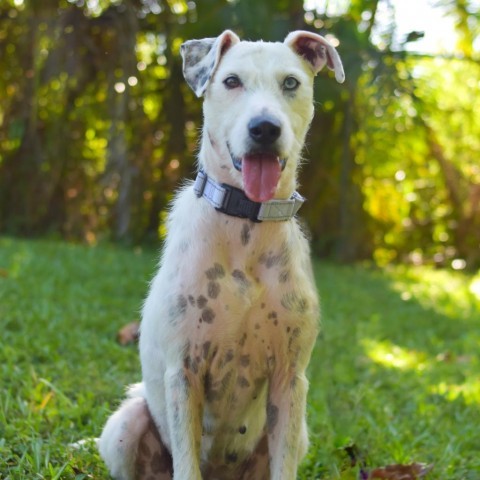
(395, 371)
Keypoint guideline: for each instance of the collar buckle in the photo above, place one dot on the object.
(236, 204)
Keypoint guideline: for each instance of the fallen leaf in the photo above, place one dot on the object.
(3, 273)
(129, 333)
(401, 472)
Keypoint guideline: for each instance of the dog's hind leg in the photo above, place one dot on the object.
(131, 445)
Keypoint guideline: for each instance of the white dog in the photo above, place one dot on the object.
(231, 317)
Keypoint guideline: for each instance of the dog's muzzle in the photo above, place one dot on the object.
(264, 131)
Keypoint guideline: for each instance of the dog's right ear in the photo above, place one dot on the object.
(201, 58)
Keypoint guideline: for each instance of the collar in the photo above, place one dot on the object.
(233, 201)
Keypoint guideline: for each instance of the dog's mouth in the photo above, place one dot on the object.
(261, 173)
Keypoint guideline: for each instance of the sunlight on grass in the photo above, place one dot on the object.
(468, 391)
(444, 291)
(389, 355)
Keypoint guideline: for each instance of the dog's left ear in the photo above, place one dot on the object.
(201, 58)
(317, 51)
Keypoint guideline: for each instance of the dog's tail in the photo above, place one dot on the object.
(118, 444)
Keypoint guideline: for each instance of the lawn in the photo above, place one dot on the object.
(395, 375)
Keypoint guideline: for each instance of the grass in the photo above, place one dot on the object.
(395, 373)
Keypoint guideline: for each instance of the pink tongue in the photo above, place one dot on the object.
(261, 174)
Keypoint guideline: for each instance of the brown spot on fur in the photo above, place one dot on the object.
(212, 141)
(295, 334)
(281, 258)
(207, 386)
(294, 303)
(191, 300)
(240, 278)
(177, 310)
(242, 341)
(208, 315)
(206, 349)
(272, 315)
(201, 302)
(213, 289)
(215, 272)
(182, 304)
(242, 382)
(284, 276)
(245, 360)
(194, 365)
(229, 356)
(245, 234)
(231, 457)
(216, 390)
(272, 417)
(226, 359)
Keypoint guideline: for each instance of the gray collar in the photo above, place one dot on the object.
(233, 201)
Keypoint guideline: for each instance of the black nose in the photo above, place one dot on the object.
(264, 129)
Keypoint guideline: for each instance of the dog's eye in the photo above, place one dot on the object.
(232, 81)
(290, 83)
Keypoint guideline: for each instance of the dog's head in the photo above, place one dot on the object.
(258, 106)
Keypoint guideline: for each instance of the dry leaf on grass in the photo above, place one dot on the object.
(400, 472)
(128, 333)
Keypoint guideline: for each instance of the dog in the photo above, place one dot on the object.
(232, 314)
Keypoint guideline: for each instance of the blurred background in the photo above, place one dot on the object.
(97, 126)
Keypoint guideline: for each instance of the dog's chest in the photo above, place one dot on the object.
(233, 303)
(250, 322)
(249, 304)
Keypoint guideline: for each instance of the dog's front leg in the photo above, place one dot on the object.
(287, 436)
(184, 423)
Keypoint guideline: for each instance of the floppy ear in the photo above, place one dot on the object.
(317, 51)
(201, 58)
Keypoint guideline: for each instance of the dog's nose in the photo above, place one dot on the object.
(264, 129)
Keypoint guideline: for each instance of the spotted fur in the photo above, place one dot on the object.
(231, 318)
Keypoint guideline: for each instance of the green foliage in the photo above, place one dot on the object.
(395, 370)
